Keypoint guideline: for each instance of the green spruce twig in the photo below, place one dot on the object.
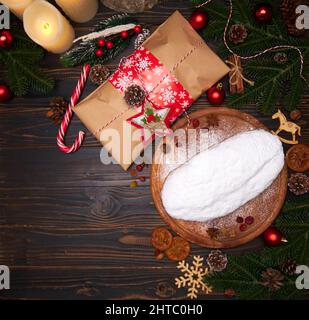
(243, 273)
(274, 82)
(85, 52)
(21, 61)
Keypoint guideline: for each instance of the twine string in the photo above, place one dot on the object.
(237, 71)
(259, 53)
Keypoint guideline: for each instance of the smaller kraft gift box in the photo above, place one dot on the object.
(172, 68)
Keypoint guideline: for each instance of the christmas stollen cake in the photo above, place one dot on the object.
(174, 67)
(225, 189)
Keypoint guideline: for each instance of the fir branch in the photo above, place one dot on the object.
(21, 61)
(113, 21)
(84, 51)
(243, 273)
(270, 79)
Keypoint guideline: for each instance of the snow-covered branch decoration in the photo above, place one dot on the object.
(105, 33)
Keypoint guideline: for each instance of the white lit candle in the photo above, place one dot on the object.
(79, 10)
(17, 6)
(46, 26)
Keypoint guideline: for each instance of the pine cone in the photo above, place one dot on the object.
(281, 57)
(272, 279)
(298, 183)
(134, 95)
(217, 260)
(98, 74)
(289, 16)
(288, 267)
(141, 38)
(58, 107)
(238, 33)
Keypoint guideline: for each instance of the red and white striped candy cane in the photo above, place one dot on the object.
(68, 115)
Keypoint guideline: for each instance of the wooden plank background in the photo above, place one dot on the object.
(70, 227)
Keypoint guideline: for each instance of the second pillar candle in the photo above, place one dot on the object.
(79, 10)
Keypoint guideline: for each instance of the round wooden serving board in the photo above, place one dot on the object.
(219, 123)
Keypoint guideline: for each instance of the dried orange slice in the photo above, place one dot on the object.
(161, 238)
(179, 250)
(297, 158)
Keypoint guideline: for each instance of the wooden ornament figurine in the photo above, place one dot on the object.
(286, 126)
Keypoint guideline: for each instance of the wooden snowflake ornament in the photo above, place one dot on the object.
(193, 277)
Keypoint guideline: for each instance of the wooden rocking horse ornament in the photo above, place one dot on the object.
(286, 126)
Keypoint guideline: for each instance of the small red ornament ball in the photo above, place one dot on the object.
(124, 34)
(138, 29)
(109, 44)
(99, 52)
(5, 93)
(216, 94)
(101, 43)
(273, 237)
(199, 19)
(263, 12)
(6, 39)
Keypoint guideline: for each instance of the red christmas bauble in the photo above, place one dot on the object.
(99, 52)
(263, 12)
(6, 39)
(138, 29)
(216, 94)
(273, 237)
(124, 34)
(5, 93)
(199, 19)
(109, 44)
(101, 43)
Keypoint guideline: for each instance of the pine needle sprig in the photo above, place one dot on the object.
(243, 273)
(85, 51)
(21, 61)
(273, 83)
(114, 21)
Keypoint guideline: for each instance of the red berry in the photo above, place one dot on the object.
(243, 227)
(239, 219)
(5, 93)
(199, 19)
(101, 42)
(151, 118)
(249, 220)
(195, 123)
(138, 29)
(139, 168)
(99, 52)
(124, 34)
(142, 179)
(109, 44)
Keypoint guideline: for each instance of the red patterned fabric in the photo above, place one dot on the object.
(163, 90)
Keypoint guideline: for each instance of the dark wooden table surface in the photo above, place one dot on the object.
(71, 227)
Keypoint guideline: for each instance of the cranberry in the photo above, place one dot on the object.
(195, 123)
(243, 227)
(239, 220)
(249, 220)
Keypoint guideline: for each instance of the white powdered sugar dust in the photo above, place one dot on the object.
(221, 179)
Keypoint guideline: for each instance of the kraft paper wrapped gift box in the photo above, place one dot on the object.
(184, 54)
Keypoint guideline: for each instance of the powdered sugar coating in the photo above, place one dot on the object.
(224, 177)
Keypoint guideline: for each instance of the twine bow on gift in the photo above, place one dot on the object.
(237, 72)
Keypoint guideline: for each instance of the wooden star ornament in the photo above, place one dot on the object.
(151, 121)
